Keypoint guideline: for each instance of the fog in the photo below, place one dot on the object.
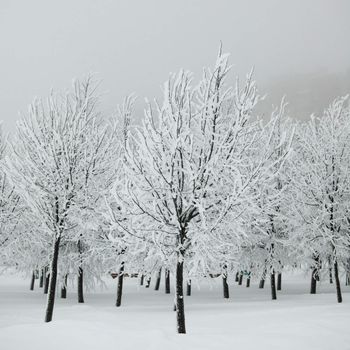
(298, 47)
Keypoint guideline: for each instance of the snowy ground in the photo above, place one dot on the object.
(249, 320)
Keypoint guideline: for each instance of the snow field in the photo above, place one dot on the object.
(248, 320)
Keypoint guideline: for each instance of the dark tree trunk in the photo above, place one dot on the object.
(141, 280)
(32, 281)
(80, 274)
(41, 280)
(248, 281)
(47, 281)
(80, 285)
(313, 281)
(226, 291)
(237, 277)
(64, 288)
(53, 281)
(167, 281)
(63, 292)
(158, 279)
(337, 282)
(347, 274)
(180, 306)
(240, 278)
(315, 276)
(347, 279)
(148, 282)
(262, 281)
(273, 286)
(279, 281)
(317, 266)
(330, 271)
(188, 288)
(120, 285)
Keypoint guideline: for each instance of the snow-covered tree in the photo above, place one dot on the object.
(268, 223)
(51, 154)
(189, 173)
(11, 211)
(321, 181)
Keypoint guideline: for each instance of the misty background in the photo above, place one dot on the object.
(299, 48)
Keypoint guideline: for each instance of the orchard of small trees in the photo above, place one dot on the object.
(200, 186)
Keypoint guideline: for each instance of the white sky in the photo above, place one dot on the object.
(134, 44)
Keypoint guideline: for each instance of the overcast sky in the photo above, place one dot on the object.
(134, 44)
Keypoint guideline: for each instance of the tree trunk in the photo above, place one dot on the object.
(225, 286)
(330, 271)
(158, 279)
(80, 285)
(64, 288)
(141, 280)
(32, 281)
(313, 281)
(180, 306)
(80, 274)
(317, 276)
(237, 277)
(41, 281)
(316, 268)
(347, 274)
(279, 281)
(120, 285)
(47, 281)
(337, 282)
(240, 278)
(273, 286)
(248, 281)
(188, 288)
(262, 281)
(167, 281)
(53, 281)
